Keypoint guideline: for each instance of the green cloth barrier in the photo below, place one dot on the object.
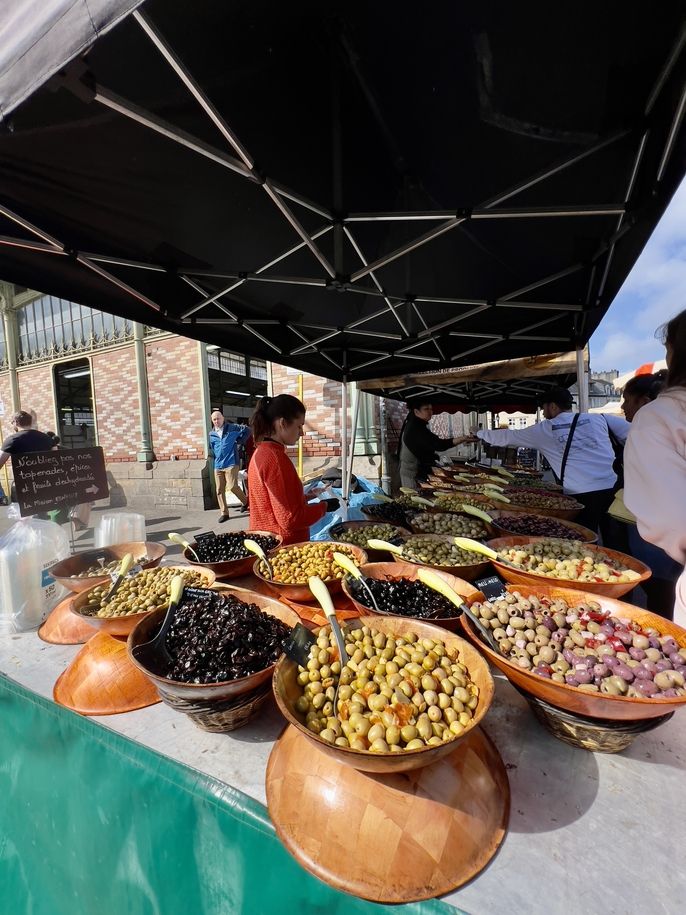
(92, 823)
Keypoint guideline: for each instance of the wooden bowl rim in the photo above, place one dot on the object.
(228, 562)
(564, 687)
(148, 545)
(134, 617)
(197, 686)
(497, 514)
(303, 584)
(441, 635)
(433, 620)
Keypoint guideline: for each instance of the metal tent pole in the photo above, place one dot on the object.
(383, 448)
(344, 439)
(581, 381)
(356, 413)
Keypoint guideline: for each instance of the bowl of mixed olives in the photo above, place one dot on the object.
(136, 597)
(586, 654)
(398, 592)
(84, 571)
(226, 555)
(537, 560)
(441, 552)
(359, 532)
(223, 647)
(295, 563)
(409, 692)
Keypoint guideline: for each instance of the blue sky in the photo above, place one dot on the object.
(654, 291)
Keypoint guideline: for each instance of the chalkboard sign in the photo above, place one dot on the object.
(49, 480)
(492, 586)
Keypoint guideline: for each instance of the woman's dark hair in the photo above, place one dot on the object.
(646, 385)
(269, 409)
(673, 333)
(418, 402)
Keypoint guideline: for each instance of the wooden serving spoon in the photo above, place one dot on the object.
(255, 548)
(465, 543)
(177, 538)
(124, 567)
(346, 563)
(429, 578)
(321, 592)
(151, 653)
(477, 513)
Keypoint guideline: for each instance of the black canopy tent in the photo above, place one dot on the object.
(348, 188)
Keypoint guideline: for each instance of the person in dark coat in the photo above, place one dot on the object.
(418, 444)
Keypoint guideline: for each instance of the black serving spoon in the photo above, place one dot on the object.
(153, 654)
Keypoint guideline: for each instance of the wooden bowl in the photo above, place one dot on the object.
(62, 627)
(301, 591)
(64, 570)
(287, 691)
(392, 571)
(491, 530)
(123, 625)
(500, 530)
(564, 514)
(469, 572)
(195, 693)
(570, 698)
(233, 568)
(372, 555)
(532, 580)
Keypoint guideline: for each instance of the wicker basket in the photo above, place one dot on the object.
(221, 715)
(595, 734)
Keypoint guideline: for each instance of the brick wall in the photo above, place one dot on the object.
(6, 400)
(322, 399)
(36, 392)
(175, 387)
(115, 390)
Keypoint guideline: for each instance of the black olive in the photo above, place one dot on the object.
(226, 547)
(402, 597)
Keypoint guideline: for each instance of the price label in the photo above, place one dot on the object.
(207, 535)
(492, 586)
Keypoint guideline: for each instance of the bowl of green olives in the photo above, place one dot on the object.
(136, 597)
(84, 571)
(226, 555)
(359, 532)
(452, 524)
(440, 552)
(409, 692)
(584, 653)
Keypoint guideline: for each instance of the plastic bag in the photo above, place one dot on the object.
(27, 591)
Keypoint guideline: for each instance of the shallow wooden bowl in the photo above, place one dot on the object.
(564, 514)
(287, 691)
(570, 698)
(64, 570)
(233, 568)
(372, 555)
(531, 580)
(392, 571)
(147, 628)
(469, 572)
(62, 627)
(491, 530)
(301, 591)
(500, 530)
(123, 625)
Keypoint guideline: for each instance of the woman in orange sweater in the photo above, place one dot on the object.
(277, 500)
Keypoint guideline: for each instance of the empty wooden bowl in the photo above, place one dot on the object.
(393, 571)
(148, 554)
(300, 591)
(570, 698)
(469, 572)
(500, 520)
(123, 625)
(62, 627)
(233, 568)
(287, 691)
(533, 581)
(213, 706)
(372, 555)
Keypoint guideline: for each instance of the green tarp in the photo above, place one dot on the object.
(94, 824)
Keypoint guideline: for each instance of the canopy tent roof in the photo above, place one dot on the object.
(509, 385)
(344, 187)
(648, 368)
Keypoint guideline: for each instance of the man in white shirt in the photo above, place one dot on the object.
(588, 475)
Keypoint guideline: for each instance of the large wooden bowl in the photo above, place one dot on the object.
(148, 627)
(301, 591)
(123, 625)
(564, 514)
(64, 570)
(491, 530)
(287, 691)
(233, 568)
(392, 571)
(499, 525)
(532, 580)
(469, 572)
(372, 555)
(570, 698)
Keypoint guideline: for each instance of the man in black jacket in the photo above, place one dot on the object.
(418, 444)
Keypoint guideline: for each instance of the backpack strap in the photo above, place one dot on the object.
(567, 447)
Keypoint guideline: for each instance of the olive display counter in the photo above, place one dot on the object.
(144, 812)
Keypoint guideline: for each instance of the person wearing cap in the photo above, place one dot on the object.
(418, 445)
(587, 474)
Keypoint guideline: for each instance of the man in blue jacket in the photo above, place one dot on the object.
(224, 441)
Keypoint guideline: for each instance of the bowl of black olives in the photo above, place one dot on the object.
(398, 592)
(226, 555)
